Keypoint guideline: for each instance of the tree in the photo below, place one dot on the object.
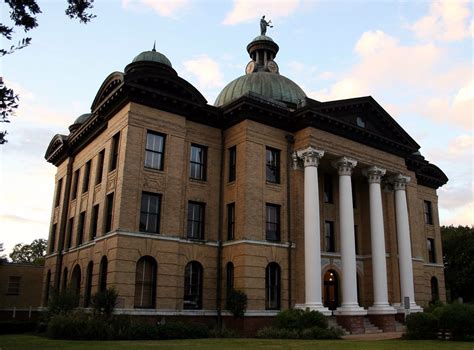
(3, 257)
(23, 15)
(33, 253)
(458, 249)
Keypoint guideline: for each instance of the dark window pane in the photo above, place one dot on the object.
(109, 209)
(154, 150)
(100, 167)
(150, 213)
(88, 288)
(87, 174)
(231, 221)
(94, 221)
(232, 163)
(58, 192)
(114, 151)
(272, 230)
(272, 165)
(428, 212)
(80, 228)
(195, 220)
(103, 274)
(229, 277)
(328, 189)
(75, 182)
(330, 243)
(431, 250)
(145, 283)
(198, 162)
(193, 286)
(272, 287)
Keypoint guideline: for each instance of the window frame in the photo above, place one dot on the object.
(108, 213)
(329, 239)
(94, 222)
(69, 229)
(232, 164)
(100, 167)
(161, 153)
(229, 277)
(431, 248)
(59, 188)
(428, 212)
(87, 177)
(231, 221)
(193, 289)
(75, 183)
(141, 285)
(14, 287)
(52, 241)
(80, 228)
(151, 195)
(201, 165)
(191, 221)
(272, 165)
(268, 232)
(114, 152)
(328, 188)
(273, 290)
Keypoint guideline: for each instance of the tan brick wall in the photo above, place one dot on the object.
(30, 285)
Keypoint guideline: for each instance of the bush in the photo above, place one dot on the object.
(178, 330)
(277, 333)
(62, 302)
(142, 331)
(236, 302)
(459, 320)
(320, 333)
(224, 333)
(300, 319)
(104, 301)
(17, 327)
(421, 326)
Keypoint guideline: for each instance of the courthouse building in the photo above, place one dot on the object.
(296, 202)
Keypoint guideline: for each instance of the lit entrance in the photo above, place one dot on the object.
(331, 290)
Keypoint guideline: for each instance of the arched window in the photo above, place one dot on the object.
(103, 274)
(193, 286)
(229, 277)
(145, 283)
(47, 288)
(76, 282)
(434, 289)
(88, 287)
(272, 286)
(64, 282)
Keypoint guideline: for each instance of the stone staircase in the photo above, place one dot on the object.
(332, 323)
(400, 327)
(370, 328)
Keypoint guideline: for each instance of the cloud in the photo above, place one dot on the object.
(165, 8)
(206, 70)
(247, 10)
(446, 21)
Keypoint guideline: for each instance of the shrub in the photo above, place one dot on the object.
(320, 333)
(62, 302)
(142, 331)
(224, 333)
(236, 302)
(178, 330)
(421, 326)
(16, 327)
(300, 319)
(277, 333)
(104, 301)
(459, 320)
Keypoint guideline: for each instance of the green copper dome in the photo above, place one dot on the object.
(79, 121)
(271, 85)
(153, 56)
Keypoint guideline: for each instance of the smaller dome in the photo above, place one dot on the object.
(152, 56)
(262, 38)
(79, 121)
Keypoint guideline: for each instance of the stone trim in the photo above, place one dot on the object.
(433, 265)
(250, 241)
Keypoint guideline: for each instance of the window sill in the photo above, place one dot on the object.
(198, 181)
(161, 171)
(196, 240)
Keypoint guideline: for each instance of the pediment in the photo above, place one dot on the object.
(110, 83)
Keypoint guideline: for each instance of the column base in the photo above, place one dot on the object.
(350, 310)
(354, 324)
(384, 322)
(381, 309)
(314, 307)
(413, 308)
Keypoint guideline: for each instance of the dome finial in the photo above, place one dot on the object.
(264, 24)
(154, 46)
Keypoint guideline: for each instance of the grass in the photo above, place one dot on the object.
(28, 342)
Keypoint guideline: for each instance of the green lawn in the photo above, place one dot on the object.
(32, 342)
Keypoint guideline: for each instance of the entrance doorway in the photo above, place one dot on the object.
(331, 290)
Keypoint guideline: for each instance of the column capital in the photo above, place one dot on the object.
(310, 156)
(374, 174)
(344, 165)
(400, 182)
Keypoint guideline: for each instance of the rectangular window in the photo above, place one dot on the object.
(114, 151)
(232, 163)
(87, 175)
(272, 165)
(328, 189)
(58, 192)
(70, 225)
(13, 285)
(196, 220)
(80, 228)
(230, 221)
(100, 167)
(154, 150)
(150, 213)
(109, 209)
(94, 221)
(272, 230)
(330, 242)
(52, 241)
(431, 250)
(75, 183)
(428, 212)
(198, 162)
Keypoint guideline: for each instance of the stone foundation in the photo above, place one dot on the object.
(384, 322)
(354, 324)
(400, 317)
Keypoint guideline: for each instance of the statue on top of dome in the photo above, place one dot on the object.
(264, 24)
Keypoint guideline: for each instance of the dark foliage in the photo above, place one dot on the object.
(78, 9)
(458, 249)
(236, 302)
(300, 319)
(178, 330)
(459, 320)
(104, 302)
(421, 325)
(17, 327)
(33, 253)
(62, 303)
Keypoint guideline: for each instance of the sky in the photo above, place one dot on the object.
(415, 58)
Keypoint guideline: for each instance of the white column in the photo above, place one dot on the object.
(377, 237)
(312, 234)
(404, 243)
(349, 305)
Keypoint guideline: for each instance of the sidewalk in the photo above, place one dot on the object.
(375, 336)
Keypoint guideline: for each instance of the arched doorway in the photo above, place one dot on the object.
(331, 290)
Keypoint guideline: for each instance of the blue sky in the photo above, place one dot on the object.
(414, 58)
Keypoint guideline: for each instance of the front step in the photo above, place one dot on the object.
(333, 323)
(370, 328)
(400, 327)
